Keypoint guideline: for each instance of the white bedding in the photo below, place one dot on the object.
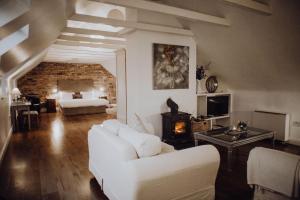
(75, 103)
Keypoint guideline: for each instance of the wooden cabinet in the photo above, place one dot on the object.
(51, 105)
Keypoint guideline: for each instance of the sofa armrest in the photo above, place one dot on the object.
(175, 174)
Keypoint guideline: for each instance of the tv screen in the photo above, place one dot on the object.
(217, 106)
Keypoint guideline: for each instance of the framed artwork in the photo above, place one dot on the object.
(170, 67)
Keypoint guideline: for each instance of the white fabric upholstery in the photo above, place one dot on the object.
(275, 170)
(113, 125)
(140, 124)
(166, 148)
(66, 96)
(111, 111)
(144, 144)
(88, 95)
(76, 103)
(187, 174)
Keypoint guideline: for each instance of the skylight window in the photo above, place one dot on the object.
(11, 9)
(93, 26)
(14, 39)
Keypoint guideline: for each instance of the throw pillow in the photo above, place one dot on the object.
(145, 144)
(77, 95)
(140, 124)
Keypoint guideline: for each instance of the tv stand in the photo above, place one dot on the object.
(202, 108)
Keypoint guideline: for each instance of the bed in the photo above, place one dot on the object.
(89, 101)
(83, 106)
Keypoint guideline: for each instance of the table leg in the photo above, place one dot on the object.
(15, 121)
(196, 142)
(273, 141)
(29, 120)
(229, 159)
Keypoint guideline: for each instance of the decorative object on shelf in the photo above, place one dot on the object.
(200, 125)
(236, 134)
(170, 66)
(200, 72)
(211, 84)
(16, 94)
(174, 107)
(242, 126)
(200, 77)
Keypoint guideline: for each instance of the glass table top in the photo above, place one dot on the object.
(226, 135)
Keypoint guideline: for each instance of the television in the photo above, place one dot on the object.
(218, 105)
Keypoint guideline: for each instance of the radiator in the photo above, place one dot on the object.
(274, 121)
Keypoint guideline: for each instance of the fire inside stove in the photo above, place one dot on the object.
(180, 128)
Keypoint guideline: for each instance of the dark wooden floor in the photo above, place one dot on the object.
(52, 163)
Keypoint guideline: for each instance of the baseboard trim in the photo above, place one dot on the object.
(3, 150)
(294, 142)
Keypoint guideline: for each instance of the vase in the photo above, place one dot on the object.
(201, 86)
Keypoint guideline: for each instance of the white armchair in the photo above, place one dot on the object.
(274, 174)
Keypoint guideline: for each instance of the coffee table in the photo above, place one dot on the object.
(220, 137)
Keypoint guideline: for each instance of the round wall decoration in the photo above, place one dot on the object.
(211, 84)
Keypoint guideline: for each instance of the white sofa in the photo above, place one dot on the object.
(122, 175)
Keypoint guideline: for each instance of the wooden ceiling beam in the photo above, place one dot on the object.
(84, 44)
(170, 10)
(131, 24)
(253, 5)
(92, 40)
(84, 31)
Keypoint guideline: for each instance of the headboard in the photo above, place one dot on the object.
(80, 85)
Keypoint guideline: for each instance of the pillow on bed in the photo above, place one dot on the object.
(77, 95)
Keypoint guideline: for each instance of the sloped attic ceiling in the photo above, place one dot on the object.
(257, 51)
(46, 19)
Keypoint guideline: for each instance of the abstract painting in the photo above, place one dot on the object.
(170, 66)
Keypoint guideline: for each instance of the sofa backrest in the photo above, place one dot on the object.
(109, 146)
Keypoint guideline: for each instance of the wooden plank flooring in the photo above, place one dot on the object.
(52, 163)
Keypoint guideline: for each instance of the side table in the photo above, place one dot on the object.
(15, 109)
(51, 105)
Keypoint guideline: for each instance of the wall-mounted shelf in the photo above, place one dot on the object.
(216, 105)
(213, 94)
(219, 117)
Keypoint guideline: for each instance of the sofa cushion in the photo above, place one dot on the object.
(166, 148)
(140, 124)
(105, 140)
(113, 125)
(144, 144)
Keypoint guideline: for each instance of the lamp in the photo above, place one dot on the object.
(16, 94)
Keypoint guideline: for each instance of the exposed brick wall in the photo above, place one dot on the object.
(43, 79)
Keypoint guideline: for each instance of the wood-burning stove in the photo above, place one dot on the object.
(176, 127)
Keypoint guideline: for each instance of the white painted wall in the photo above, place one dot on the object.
(121, 86)
(257, 57)
(278, 101)
(141, 97)
(110, 65)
